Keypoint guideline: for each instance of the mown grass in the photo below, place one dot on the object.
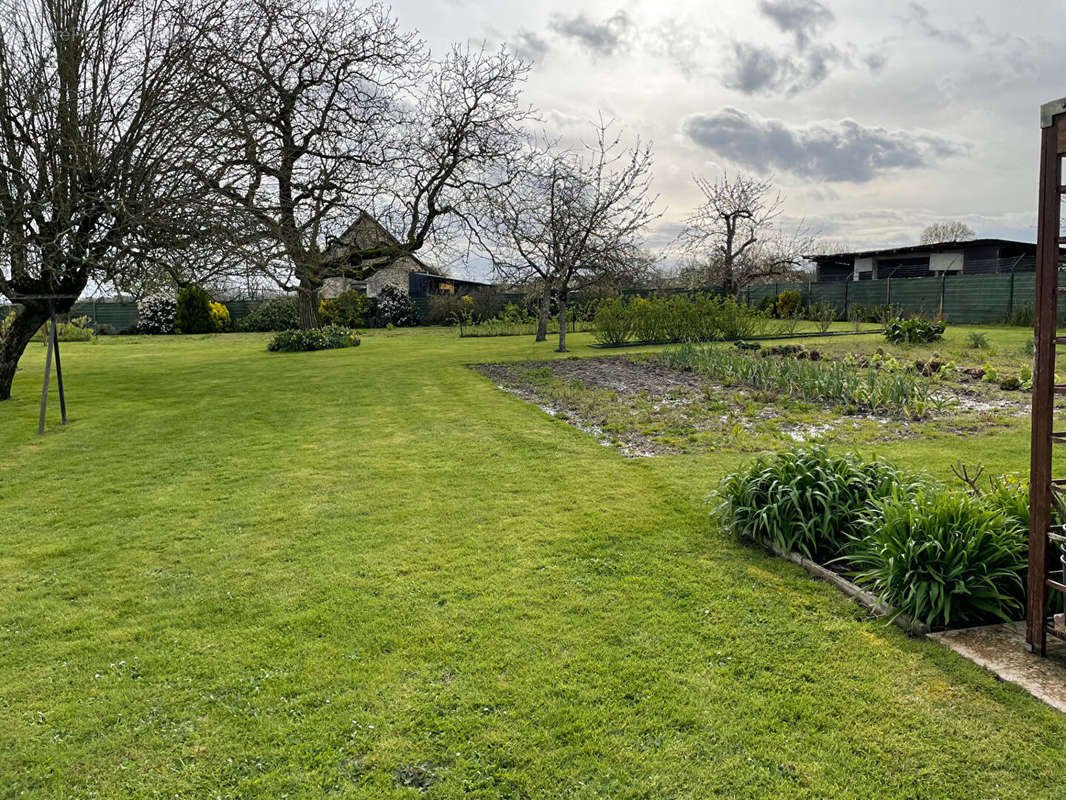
(367, 572)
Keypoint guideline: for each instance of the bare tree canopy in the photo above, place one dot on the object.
(324, 110)
(572, 219)
(954, 231)
(94, 116)
(733, 239)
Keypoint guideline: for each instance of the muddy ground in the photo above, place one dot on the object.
(644, 408)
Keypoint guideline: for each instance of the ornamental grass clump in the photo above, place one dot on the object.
(806, 500)
(942, 557)
(330, 337)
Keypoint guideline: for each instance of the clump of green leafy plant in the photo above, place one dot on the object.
(916, 330)
(977, 340)
(941, 557)
(805, 500)
(329, 337)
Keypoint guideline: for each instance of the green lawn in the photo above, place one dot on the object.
(364, 572)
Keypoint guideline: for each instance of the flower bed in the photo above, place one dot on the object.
(940, 556)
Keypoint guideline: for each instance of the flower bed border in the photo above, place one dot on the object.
(874, 604)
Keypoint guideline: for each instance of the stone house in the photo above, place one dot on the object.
(364, 233)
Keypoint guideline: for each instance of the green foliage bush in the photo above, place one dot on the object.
(677, 318)
(614, 323)
(329, 337)
(976, 340)
(788, 303)
(805, 500)
(913, 331)
(350, 309)
(194, 311)
(279, 314)
(942, 557)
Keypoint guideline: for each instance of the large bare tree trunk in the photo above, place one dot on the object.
(307, 297)
(562, 322)
(545, 315)
(28, 320)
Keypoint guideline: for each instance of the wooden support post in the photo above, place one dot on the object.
(59, 368)
(1052, 145)
(47, 377)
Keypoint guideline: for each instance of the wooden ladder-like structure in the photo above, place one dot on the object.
(1046, 491)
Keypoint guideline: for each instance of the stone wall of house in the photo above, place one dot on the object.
(392, 275)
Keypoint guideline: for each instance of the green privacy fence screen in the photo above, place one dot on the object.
(115, 317)
(963, 299)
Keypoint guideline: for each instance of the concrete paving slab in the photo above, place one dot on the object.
(1001, 649)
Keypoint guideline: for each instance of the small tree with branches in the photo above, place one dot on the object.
(570, 220)
(954, 231)
(733, 239)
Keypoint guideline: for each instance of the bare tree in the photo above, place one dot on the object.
(954, 231)
(733, 238)
(94, 116)
(571, 220)
(324, 111)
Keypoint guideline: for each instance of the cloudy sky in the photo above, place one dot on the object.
(874, 118)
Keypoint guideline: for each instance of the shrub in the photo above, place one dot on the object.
(78, 329)
(823, 315)
(194, 311)
(976, 340)
(805, 500)
(156, 315)
(444, 309)
(942, 557)
(913, 331)
(788, 303)
(738, 321)
(329, 337)
(220, 320)
(678, 318)
(350, 309)
(278, 314)
(394, 308)
(613, 322)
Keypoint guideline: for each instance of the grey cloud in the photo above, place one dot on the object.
(876, 62)
(802, 18)
(605, 38)
(918, 16)
(530, 46)
(759, 69)
(840, 151)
